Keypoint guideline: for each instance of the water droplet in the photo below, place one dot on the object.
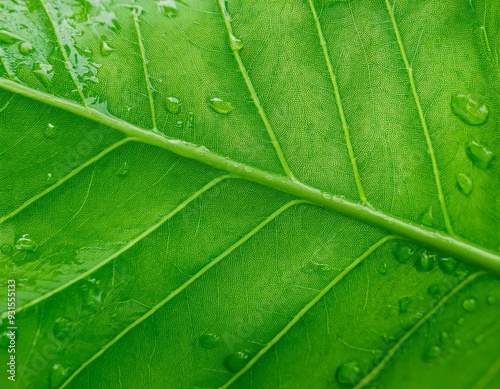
(51, 179)
(404, 253)
(44, 73)
(469, 109)
(479, 155)
(479, 339)
(448, 265)
(202, 150)
(464, 183)
(123, 170)
(444, 337)
(173, 105)
(50, 131)
(425, 262)
(236, 44)
(168, 8)
(491, 300)
(7, 249)
(62, 328)
(434, 290)
(327, 196)
(382, 268)
(25, 243)
(469, 304)
(432, 353)
(461, 321)
(237, 361)
(106, 49)
(403, 305)
(58, 375)
(248, 169)
(208, 340)
(26, 48)
(179, 124)
(315, 267)
(7, 37)
(457, 342)
(348, 373)
(190, 122)
(220, 106)
(427, 218)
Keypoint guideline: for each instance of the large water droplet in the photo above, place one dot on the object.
(403, 305)
(58, 375)
(7, 249)
(168, 7)
(237, 361)
(404, 253)
(25, 243)
(173, 105)
(434, 290)
(50, 131)
(220, 106)
(236, 44)
(208, 340)
(348, 373)
(479, 154)
(469, 109)
(448, 265)
(464, 183)
(62, 328)
(106, 49)
(425, 262)
(7, 37)
(469, 304)
(26, 48)
(432, 353)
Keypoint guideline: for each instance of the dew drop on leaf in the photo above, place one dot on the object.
(62, 328)
(425, 262)
(434, 290)
(432, 353)
(190, 122)
(44, 73)
(50, 131)
(168, 7)
(464, 183)
(469, 304)
(173, 104)
(26, 48)
(448, 265)
(461, 321)
(8, 37)
(403, 305)
(123, 170)
(404, 253)
(382, 268)
(50, 180)
(314, 267)
(208, 340)
(106, 49)
(469, 109)
(444, 337)
(348, 373)
(427, 218)
(58, 374)
(236, 44)
(479, 154)
(25, 243)
(180, 123)
(220, 106)
(7, 249)
(491, 300)
(237, 361)
(479, 339)
(457, 342)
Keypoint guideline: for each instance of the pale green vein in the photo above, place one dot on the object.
(253, 93)
(493, 370)
(390, 354)
(306, 309)
(340, 107)
(149, 87)
(430, 147)
(137, 239)
(65, 178)
(450, 245)
(69, 65)
(7, 103)
(181, 288)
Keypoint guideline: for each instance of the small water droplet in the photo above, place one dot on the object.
(26, 48)
(479, 339)
(208, 340)
(7, 249)
(123, 170)
(7, 37)
(220, 106)
(469, 304)
(168, 8)
(179, 124)
(382, 268)
(444, 337)
(348, 373)
(432, 353)
(464, 183)
(327, 196)
(469, 109)
(434, 290)
(25, 243)
(248, 169)
(315, 267)
(457, 342)
(425, 262)
(448, 265)
(190, 123)
(106, 49)
(51, 179)
(403, 305)
(44, 73)
(50, 131)
(237, 361)
(404, 253)
(202, 150)
(236, 44)
(62, 328)
(58, 375)
(427, 218)
(491, 300)
(479, 155)
(173, 105)
(461, 321)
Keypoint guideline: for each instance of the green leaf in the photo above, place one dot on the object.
(297, 194)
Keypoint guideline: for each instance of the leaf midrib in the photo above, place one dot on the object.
(437, 240)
